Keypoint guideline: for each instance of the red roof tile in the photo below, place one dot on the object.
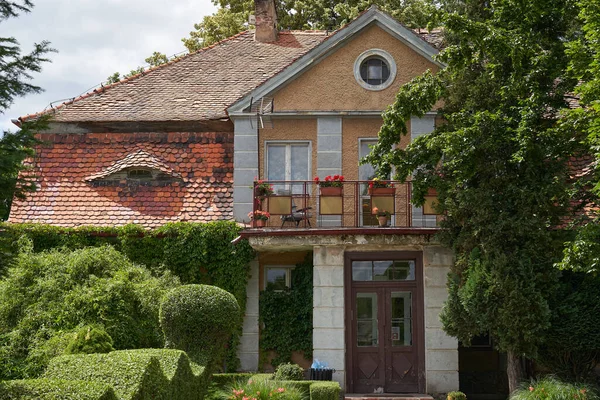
(64, 197)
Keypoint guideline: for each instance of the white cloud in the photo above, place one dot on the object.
(96, 38)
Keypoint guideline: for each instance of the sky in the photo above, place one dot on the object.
(94, 39)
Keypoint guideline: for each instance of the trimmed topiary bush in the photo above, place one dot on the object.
(289, 372)
(199, 319)
(88, 340)
(55, 389)
(550, 388)
(132, 374)
(325, 391)
(456, 395)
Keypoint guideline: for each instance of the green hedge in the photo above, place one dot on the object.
(132, 375)
(324, 391)
(55, 389)
(197, 253)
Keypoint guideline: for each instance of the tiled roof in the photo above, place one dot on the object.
(139, 158)
(198, 86)
(64, 197)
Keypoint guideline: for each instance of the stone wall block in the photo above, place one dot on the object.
(328, 276)
(328, 317)
(326, 338)
(436, 276)
(442, 381)
(437, 255)
(328, 297)
(437, 339)
(442, 360)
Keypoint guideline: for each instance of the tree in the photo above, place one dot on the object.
(157, 59)
(498, 165)
(583, 252)
(232, 15)
(15, 73)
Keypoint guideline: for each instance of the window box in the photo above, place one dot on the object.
(331, 191)
(382, 191)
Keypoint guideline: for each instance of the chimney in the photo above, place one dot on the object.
(266, 21)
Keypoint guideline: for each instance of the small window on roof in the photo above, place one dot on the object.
(139, 174)
(375, 71)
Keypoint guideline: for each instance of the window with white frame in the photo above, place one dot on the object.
(278, 277)
(288, 161)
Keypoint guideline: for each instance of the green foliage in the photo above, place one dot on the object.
(199, 320)
(157, 59)
(55, 389)
(324, 391)
(114, 78)
(287, 316)
(316, 14)
(16, 72)
(196, 253)
(456, 395)
(47, 294)
(90, 339)
(132, 374)
(289, 372)
(572, 346)
(220, 384)
(550, 388)
(264, 389)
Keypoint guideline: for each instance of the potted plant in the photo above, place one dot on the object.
(382, 215)
(332, 185)
(381, 187)
(262, 188)
(259, 218)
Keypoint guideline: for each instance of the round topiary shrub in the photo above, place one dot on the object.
(199, 319)
(89, 340)
(289, 372)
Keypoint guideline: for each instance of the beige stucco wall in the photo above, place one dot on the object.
(330, 85)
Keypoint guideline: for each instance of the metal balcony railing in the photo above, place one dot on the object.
(352, 204)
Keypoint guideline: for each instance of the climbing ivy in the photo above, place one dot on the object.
(286, 316)
(196, 253)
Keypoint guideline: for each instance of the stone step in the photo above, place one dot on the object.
(387, 396)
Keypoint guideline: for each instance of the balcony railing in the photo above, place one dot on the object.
(306, 205)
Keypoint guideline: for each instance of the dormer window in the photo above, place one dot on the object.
(139, 174)
(375, 69)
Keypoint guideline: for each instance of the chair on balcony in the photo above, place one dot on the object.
(298, 214)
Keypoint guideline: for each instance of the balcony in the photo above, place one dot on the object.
(304, 207)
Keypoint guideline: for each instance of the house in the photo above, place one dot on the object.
(187, 140)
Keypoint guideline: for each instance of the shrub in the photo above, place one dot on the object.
(132, 374)
(264, 389)
(51, 293)
(54, 389)
(325, 391)
(456, 395)
(199, 319)
(550, 388)
(88, 340)
(289, 372)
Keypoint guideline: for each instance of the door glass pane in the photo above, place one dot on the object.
(366, 320)
(404, 271)
(362, 271)
(401, 319)
(299, 164)
(276, 165)
(383, 270)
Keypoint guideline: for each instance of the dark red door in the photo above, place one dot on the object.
(385, 319)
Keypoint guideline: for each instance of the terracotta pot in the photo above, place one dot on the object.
(331, 191)
(390, 191)
(382, 220)
(259, 223)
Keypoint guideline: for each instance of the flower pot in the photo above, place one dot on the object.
(382, 191)
(382, 220)
(259, 223)
(331, 191)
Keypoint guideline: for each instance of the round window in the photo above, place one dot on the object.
(375, 69)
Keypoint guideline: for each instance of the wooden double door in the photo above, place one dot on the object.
(385, 323)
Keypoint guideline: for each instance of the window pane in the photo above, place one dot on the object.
(366, 319)
(276, 163)
(401, 319)
(383, 270)
(299, 164)
(362, 271)
(276, 278)
(375, 70)
(404, 270)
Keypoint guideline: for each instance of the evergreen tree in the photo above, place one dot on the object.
(498, 164)
(15, 73)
